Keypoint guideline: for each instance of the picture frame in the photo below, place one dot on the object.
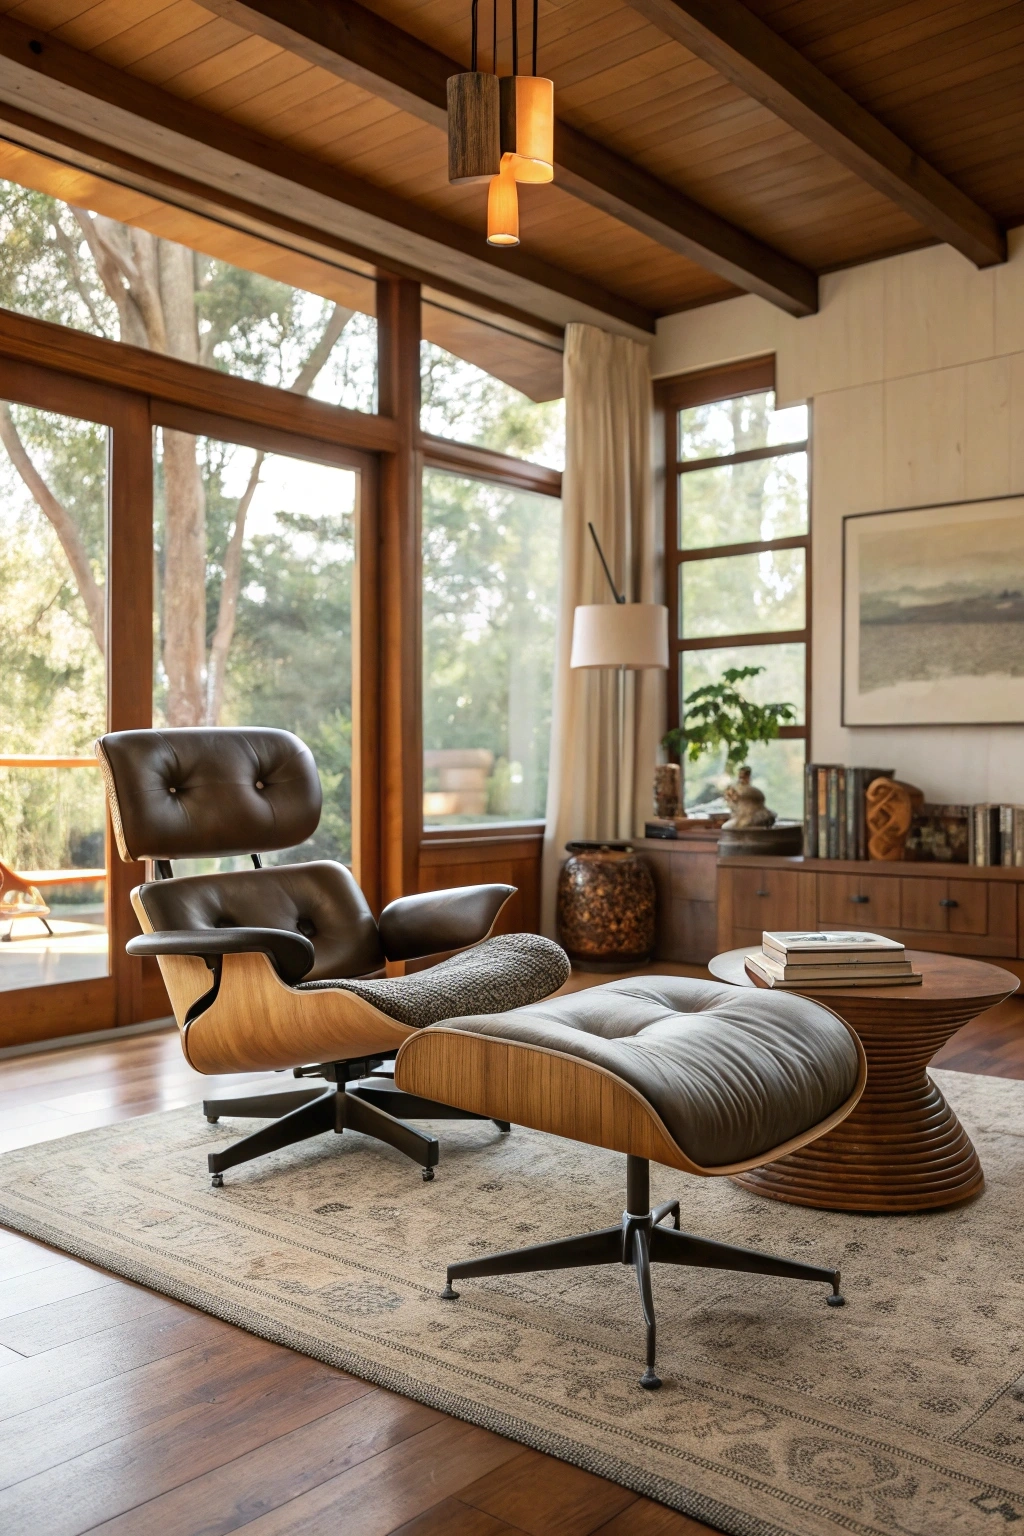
(933, 615)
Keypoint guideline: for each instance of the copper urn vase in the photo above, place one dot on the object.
(606, 907)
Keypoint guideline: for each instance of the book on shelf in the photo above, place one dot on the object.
(983, 843)
(807, 977)
(1011, 835)
(835, 820)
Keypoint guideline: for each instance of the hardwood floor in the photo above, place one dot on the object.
(124, 1412)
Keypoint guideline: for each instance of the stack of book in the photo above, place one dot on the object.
(813, 961)
(834, 810)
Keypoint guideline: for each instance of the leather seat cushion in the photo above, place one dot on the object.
(732, 1073)
(507, 972)
(320, 900)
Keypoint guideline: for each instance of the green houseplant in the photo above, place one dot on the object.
(718, 715)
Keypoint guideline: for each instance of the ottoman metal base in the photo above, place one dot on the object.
(640, 1241)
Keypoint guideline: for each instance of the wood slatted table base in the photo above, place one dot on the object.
(902, 1148)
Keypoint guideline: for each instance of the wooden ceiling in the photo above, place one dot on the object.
(680, 180)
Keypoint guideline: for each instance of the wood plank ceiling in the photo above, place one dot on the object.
(944, 75)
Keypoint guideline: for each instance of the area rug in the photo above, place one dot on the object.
(901, 1413)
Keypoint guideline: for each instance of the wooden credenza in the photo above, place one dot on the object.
(955, 909)
(685, 879)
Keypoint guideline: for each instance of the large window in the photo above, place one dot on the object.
(490, 573)
(77, 265)
(470, 405)
(738, 523)
(255, 560)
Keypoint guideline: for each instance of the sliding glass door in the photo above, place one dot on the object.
(53, 697)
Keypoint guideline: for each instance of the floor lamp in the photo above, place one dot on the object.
(628, 636)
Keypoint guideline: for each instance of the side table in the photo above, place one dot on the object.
(903, 1148)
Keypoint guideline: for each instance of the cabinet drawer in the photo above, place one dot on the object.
(858, 901)
(924, 905)
(969, 906)
(765, 898)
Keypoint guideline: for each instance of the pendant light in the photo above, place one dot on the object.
(528, 113)
(501, 132)
(474, 134)
(503, 205)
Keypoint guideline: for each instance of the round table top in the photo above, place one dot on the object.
(944, 976)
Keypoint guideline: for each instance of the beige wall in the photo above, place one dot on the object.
(915, 367)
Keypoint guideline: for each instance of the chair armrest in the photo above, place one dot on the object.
(291, 953)
(416, 926)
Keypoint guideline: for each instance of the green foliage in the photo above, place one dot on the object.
(719, 715)
(490, 568)
(460, 401)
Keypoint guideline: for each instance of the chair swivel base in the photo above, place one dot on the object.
(640, 1241)
(371, 1105)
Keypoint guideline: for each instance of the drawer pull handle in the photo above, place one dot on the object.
(948, 901)
(860, 899)
(762, 893)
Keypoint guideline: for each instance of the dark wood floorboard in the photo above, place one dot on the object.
(126, 1413)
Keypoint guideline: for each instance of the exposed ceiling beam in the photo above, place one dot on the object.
(363, 48)
(735, 42)
(78, 93)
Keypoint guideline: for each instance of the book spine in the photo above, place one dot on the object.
(841, 813)
(833, 813)
(810, 811)
(1018, 835)
(852, 782)
(862, 813)
(822, 813)
(1006, 835)
(972, 835)
(995, 851)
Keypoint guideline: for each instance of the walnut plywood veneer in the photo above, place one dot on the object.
(902, 1148)
(562, 1094)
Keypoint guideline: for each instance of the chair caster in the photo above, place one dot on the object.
(428, 1174)
(217, 1181)
(504, 1126)
(448, 1294)
(835, 1301)
(649, 1381)
(213, 1119)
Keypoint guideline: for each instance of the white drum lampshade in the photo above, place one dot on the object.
(632, 635)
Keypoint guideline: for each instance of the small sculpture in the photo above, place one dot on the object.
(749, 809)
(666, 791)
(890, 810)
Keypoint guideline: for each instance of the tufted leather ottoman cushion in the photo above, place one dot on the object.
(732, 1073)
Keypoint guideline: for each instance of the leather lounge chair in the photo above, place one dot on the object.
(282, 966)
(710, 1079)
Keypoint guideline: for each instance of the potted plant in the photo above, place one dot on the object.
(719, 715)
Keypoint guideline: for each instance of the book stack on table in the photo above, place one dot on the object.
(809, 961)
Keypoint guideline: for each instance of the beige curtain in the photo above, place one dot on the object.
(607, 481)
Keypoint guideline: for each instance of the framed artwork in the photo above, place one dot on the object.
(933, 615)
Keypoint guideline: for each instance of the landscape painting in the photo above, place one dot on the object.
(933, 615)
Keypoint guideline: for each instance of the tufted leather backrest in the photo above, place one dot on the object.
(208, 791)
(320, 900)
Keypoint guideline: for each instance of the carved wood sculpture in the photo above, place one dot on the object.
(890, 809)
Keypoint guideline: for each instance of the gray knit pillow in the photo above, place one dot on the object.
(502, 973)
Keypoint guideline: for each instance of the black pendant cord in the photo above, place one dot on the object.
(515, 37)
(475, 14)
(536, 6)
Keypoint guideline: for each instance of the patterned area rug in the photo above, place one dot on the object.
(901, 1413)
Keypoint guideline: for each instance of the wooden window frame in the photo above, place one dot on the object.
(747, 377)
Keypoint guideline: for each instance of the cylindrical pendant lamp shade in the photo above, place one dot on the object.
(503, 206)
(474, 127)
(633, 635)
(528, 125)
